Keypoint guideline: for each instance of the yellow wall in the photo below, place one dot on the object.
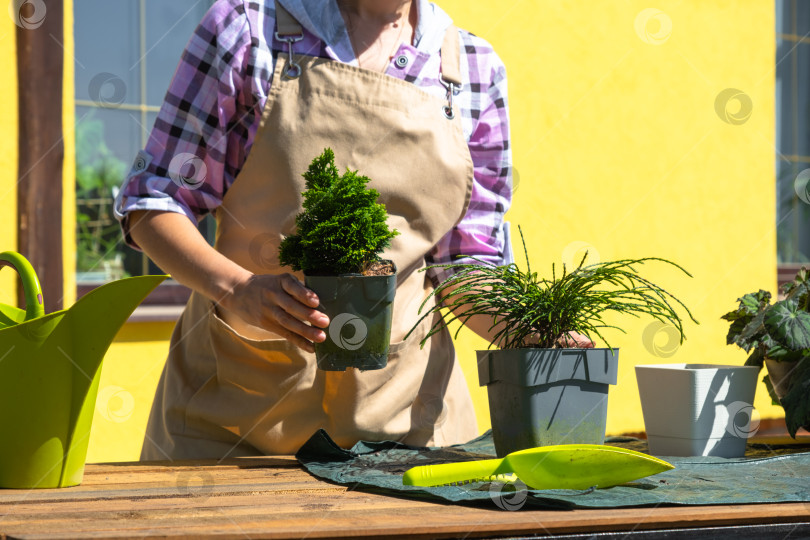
(618, 146)
(69, 165)
(129, 377)
(8, 154)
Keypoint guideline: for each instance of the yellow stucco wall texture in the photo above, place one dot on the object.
(8, 154)
(621, 146)
(129, 377)
(69, 165)
(627, 142)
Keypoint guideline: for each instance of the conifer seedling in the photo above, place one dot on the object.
(342, 229)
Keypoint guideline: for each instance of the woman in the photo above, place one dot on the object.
(399, 94)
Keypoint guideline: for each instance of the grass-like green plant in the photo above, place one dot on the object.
(530, 311)
(342, 229)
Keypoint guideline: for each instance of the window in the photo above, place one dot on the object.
(126, 54)
(793, 134)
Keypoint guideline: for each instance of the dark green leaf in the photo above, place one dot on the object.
(756, 358)
(741, 332)
(750, 305)
(799, 286)
(753, 332)
(778, 352)
(788, 325)
(771, 392)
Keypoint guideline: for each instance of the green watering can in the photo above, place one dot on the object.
(50, 366)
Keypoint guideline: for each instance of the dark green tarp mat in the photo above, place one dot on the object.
(767, 474)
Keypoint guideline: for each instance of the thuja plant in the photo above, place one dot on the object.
(342, 229)
(532, 311)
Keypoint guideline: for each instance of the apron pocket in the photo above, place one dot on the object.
(262, 392)
(406, 401)
(261, 366)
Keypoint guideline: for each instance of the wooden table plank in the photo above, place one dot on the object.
(275, 498)
(378, 523)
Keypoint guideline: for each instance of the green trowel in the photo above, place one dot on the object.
(50, 366)
(565, 466)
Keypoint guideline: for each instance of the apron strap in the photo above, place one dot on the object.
(286, 25)
(450, 57)
(451, 74)
(288, 31)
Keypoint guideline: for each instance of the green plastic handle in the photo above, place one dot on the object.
(34, 306)
(451, 473)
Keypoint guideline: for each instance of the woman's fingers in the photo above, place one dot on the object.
(575, 340)
(281, 304)
(571, 340)
(298, 301)
(287, 305)
(292, 337)
(296, 289)
(292, 324)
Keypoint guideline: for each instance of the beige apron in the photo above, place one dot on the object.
(229, 388)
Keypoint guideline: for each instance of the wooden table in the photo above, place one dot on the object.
(274, 497)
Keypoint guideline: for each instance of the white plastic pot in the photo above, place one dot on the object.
(697, 409)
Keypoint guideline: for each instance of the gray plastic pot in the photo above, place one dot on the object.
(541, 397)
(360, 309)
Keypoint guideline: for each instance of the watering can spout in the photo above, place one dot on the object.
(49, 377)
(91, 324)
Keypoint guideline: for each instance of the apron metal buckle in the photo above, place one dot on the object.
(292, 69)
(448, 109)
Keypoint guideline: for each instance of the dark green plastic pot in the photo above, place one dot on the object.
(541, 397)
(360, 310)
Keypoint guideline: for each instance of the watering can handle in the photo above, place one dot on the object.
(34, 306)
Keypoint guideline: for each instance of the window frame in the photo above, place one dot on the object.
(40, 153)
(788, 152)
(166, 301)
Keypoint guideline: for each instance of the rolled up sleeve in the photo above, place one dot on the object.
(482, 235)
(202, 132)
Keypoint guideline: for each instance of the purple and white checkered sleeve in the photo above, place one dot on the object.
(205, 125)
(482, 232)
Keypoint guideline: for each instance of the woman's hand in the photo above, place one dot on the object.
(569, 340)
(575, 340)
(280, 304)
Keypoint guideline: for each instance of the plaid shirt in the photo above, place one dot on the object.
(214, 104)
